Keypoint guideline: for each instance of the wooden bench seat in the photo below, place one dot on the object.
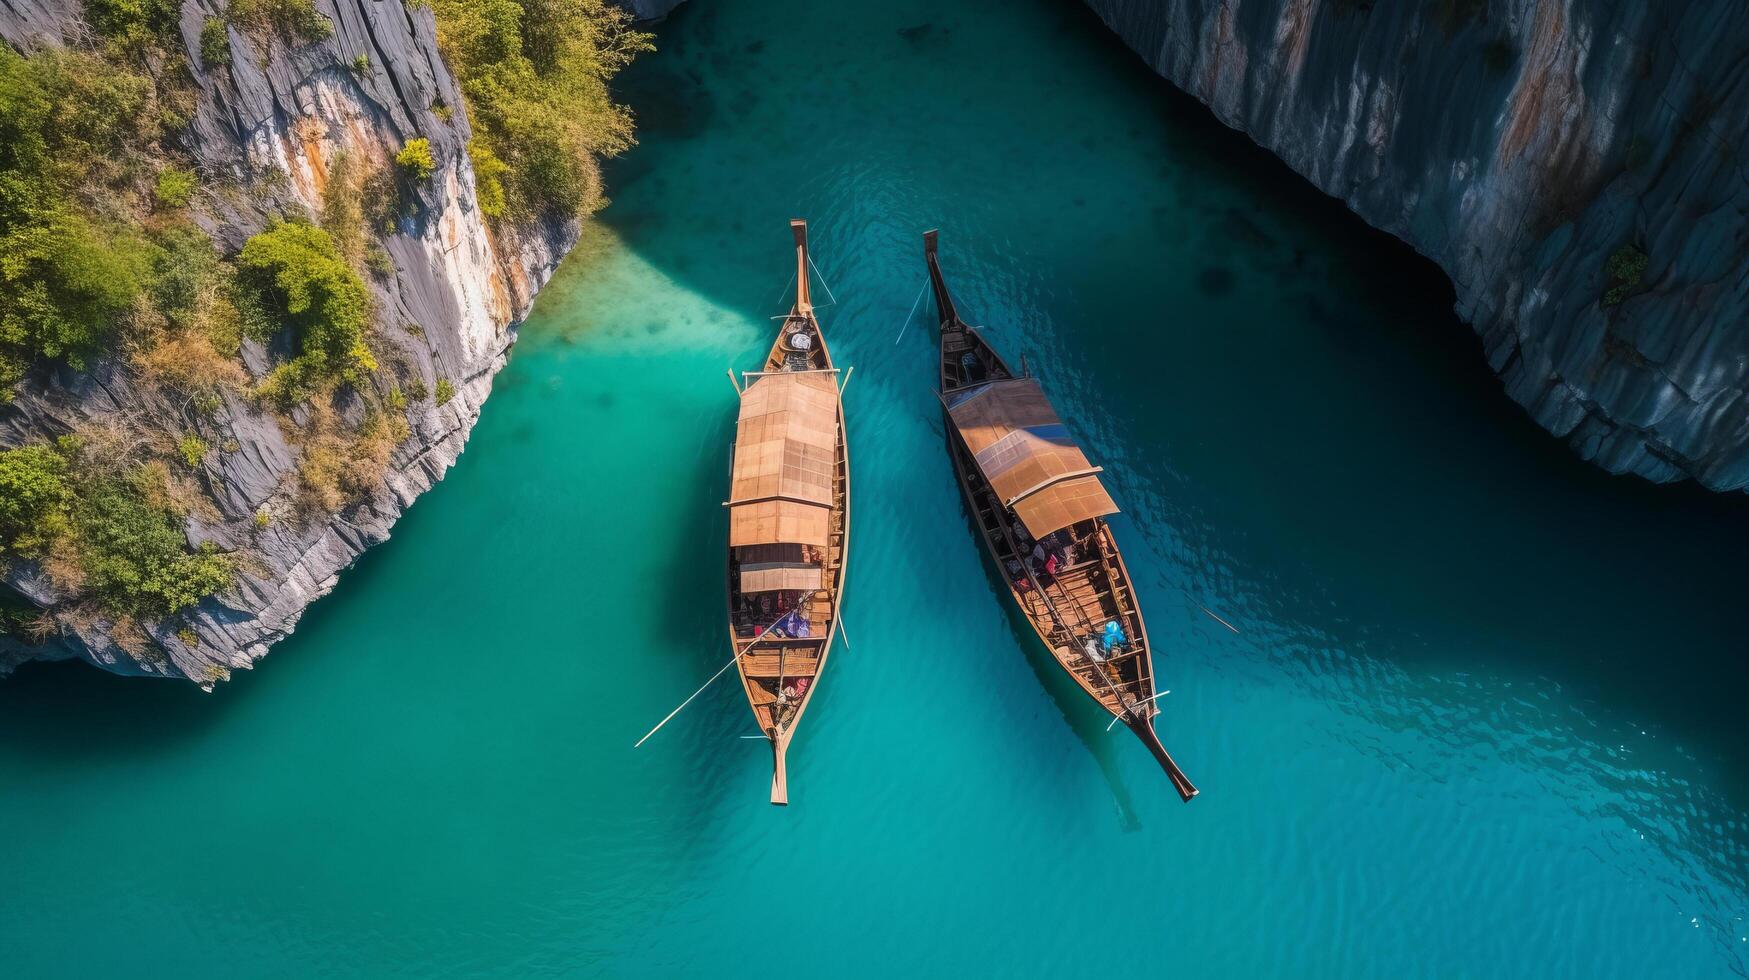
(796, 664)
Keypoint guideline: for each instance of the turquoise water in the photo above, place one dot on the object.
(1479, 718)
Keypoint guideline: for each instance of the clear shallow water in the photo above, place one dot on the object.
(1480, 718)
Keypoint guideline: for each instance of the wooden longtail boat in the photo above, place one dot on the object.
(1041, 510)
(789, 523)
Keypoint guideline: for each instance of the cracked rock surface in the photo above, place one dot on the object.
(265, 137)
(1520, 144)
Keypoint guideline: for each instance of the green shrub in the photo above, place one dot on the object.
(65, 114)
(1625, 268)
(215, 43)
(133, 22)
(489, 174)
(379, 262)
(136, 558)
(192, 449)
(415, 160)
(184, 268)
(65, 282)
(297, 272)
(445, 391)
(263, 519)
(416, 390)
(536, 75)
(294, 20)
(361, 64)
(70, 126)
(33, 499)
(175, 187)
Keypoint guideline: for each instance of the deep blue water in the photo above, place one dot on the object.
(1479, 718)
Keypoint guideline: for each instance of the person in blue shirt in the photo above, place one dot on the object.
(1113, 637)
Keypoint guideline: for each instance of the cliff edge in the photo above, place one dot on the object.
(1574, 165)
(274, 118)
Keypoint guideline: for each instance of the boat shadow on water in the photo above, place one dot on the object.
(702, 739)
(1083, 717)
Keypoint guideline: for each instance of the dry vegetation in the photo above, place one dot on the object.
(101, 262)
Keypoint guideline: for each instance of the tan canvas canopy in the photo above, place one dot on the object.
(1025, 451)
(786, 448)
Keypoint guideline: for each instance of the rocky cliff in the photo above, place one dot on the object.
(265, 137)
(1575, 166)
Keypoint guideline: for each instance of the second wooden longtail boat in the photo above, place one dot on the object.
(789, 523)
(1041, 510)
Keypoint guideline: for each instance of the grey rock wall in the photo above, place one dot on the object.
(1519, 144)
(265, 136)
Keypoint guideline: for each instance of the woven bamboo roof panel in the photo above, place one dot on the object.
(786, 450)
(1024, 451)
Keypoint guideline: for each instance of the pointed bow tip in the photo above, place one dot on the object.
(800, 228)
(929, 239)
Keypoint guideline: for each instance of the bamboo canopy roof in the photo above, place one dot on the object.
(1027, 455)
(786, 444)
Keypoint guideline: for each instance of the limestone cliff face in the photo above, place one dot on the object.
(1520, 144)
(267, 131)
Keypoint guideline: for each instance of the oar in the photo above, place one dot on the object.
(1210, 612)
(688, 701)
(911, 314)
(750, 644)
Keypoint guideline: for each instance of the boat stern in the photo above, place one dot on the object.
(779, 778)
(1144, 729)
